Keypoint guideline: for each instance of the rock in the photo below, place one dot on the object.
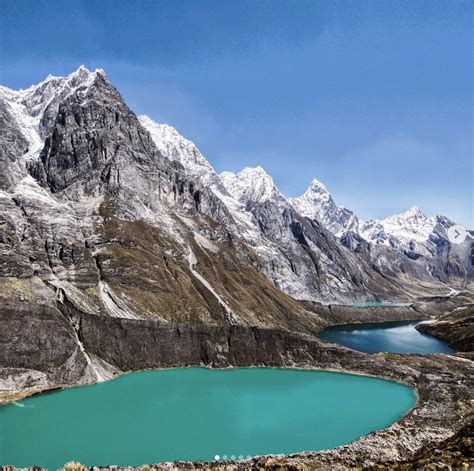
(456, 327)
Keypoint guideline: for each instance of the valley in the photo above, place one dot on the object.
(123, 250)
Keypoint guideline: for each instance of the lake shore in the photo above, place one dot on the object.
(444, 384)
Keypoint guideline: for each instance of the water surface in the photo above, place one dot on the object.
(381, 304)
(395, 337)
(196, 414)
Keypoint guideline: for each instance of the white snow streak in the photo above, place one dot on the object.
(232, 318)
(113, 305)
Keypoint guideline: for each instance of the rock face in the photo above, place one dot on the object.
(456, 327)
(320, 269)
(12, 142)
(407, 245)
(46, 351)
(409, 250)
(111, 223)
(317, 203)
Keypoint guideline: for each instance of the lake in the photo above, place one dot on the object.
(197, 414)
(381, 304)
(395, 337)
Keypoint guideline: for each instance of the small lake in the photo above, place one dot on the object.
(395, 337)
(381, 304)
(196, 414)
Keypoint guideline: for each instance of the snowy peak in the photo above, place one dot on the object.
(314, 202)
(35, 108)
(411, 225)
(175, 147)
(42, 92)
(411, 229)
(411, 214)
(316, 187)
(251, 186)
(317, 203)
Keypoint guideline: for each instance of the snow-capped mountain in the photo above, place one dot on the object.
(35, 108)
(33, 111)
(260, 214)
(249, 194)
(406, 243)
(92, 197)
(175, 147)
(99, 221)
(252, 186)
(409, 230)
(317, 203)
(307, 248)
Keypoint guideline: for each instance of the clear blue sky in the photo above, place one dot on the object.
(372, 98)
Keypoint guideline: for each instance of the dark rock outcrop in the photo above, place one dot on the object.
(457, 328)
(39, 349)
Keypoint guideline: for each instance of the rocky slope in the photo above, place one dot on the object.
(299, 257)
(406, 246)
(105, 220)
(456, 327)
(317, 203)
(409, 250)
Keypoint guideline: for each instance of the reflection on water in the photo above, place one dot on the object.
(395, 337)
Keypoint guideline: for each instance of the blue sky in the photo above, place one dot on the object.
(372, 98)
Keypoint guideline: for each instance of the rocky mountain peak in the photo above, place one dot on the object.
(316, 187)
(35, 108)
(251, 186)
(317, 203)
(412, 224)
(412, 213)
(176, 147)
(85, 146)
(314, 200)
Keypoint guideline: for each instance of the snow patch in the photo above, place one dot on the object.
(204, 243)
(113, 305)
(252, 186)
(231, 317)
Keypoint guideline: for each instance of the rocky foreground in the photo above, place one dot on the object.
(438, 429)
(457, 328)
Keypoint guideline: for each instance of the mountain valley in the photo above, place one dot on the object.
(122, 249)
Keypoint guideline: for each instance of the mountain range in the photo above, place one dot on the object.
(112, 214)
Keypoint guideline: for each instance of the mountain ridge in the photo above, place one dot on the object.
(410, 235)
(97, 154)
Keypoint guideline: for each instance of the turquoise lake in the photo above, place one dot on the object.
(380, 304)
(395, 337)
(196, 414)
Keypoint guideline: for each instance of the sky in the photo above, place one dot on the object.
(373, 98)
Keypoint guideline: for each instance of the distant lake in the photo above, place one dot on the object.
(395, 337)
(197, 414)
(380, 304)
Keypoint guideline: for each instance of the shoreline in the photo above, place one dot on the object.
(399, 368)
(443, 384)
